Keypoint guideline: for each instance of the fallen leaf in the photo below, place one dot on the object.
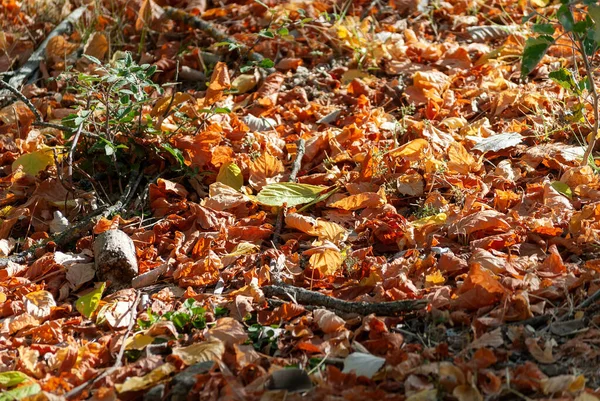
(201, 352)
(146, 381)
(363, 364)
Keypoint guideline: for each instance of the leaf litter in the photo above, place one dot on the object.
(429, 173)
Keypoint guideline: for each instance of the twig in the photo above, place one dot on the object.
(307, 297)
(300, 149)
(81, 228)
(74, 392)
(590, 300)
(215, 33)
(39, 119)
(31, 67)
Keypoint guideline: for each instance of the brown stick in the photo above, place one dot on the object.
(307, 297)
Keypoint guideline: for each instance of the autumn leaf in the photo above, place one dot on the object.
(146, 381)
(88, 303)
(200, 352)
(219, 82)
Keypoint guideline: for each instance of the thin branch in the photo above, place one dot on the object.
(307, 297)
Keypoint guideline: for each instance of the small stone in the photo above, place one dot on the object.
(115, 259)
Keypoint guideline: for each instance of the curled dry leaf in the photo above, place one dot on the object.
(200, 352)
(328, 321)
(39, 304)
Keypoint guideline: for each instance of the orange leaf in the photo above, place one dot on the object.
(219, 81)
(360, 201)
(479, 289)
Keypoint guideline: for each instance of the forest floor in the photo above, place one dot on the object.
(324, 200)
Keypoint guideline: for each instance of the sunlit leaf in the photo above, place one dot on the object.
(288, 193)
(230, 174)
(146, 381)
(21, 392)
(87, 304)
(12, 378)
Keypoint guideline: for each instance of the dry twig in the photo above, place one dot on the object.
(307, 297)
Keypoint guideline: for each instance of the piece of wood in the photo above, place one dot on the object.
(306, 297)
(115, 259)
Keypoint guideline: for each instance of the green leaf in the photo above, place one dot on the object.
(289, 193)
(87, 304)
(594, 13)
(565, 17)
(12, 378)
(564, 78)
(266, 34)
(176, 153)
(93, 59)
(230, 174)
(562, 188)
(533, 53)
(19, 393)
(35, 162)
(266, 63)
(545, 29)
(283, 31)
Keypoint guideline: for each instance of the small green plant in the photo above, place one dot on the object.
(426, 210)
(264, 336)
(116, 95)
(188, 317)
(580, 23)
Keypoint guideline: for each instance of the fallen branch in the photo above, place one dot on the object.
(80, 229)
(27, 73)
(300, 149)
(215, 33)
(307, 297)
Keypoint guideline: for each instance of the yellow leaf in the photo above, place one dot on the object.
(34, 162)
(437, 220)
(328, 261)
(146, 381)
(330, 231)
(435, 278)
(201, 352)
(244, 83)
(2, 297)
(230, 174)
(139, 342)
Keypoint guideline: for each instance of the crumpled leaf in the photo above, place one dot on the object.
(39, 304)
(200, 352)
(363, 364)
(498, 142)
(146, 381)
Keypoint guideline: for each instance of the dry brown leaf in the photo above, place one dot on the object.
(96, 46)
(328, 321)
(219, 82)
(200, 352)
